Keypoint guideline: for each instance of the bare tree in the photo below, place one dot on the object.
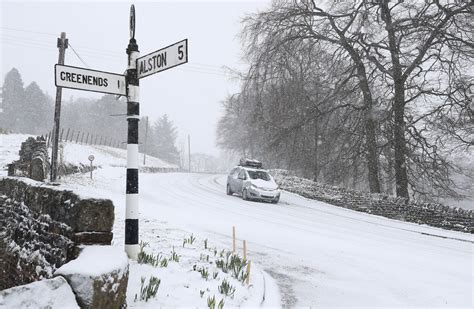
(400, 46)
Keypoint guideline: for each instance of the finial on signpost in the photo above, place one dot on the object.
(132, 22)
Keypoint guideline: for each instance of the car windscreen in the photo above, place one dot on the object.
(259, 175)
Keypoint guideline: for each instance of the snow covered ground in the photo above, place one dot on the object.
(319, 255)
(76, 153)
(104, 155)
(181, 281)
(9, 146)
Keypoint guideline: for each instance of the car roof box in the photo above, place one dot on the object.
(251, 163)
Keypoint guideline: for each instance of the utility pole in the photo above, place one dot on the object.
(189, 152)
(133, 113)
(146, 136)
(62, 45)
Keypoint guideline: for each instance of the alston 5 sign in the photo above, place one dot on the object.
(163, 59)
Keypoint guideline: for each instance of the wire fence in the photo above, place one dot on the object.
(84, 138)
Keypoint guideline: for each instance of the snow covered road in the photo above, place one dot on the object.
(320, 255)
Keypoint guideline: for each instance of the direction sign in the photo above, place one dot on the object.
(90, 80)
(163, 59)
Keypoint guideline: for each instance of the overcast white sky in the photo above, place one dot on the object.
(98, 31)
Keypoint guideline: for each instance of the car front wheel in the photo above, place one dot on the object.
(244, 195)
(229, 191)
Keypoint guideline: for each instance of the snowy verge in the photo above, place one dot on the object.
(191, 272)
(77, 155)
(107, 156)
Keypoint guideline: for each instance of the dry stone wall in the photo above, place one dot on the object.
(41, 228)
(433, 214)
(34, 160)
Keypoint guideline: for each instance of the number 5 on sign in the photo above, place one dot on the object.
(163, 59)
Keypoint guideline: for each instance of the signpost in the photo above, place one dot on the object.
(89, 80)
(125, 85)
(133, 116)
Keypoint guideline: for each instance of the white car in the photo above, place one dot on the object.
(252, 183)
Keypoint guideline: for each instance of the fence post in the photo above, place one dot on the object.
(61, 136)
(87, 138)
(233, 239)
(72, 136)
(67, 134)
(95, 141)
(77, 137)
(82, 137)
(100, 142)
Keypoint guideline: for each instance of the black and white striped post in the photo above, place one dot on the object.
(133, 111)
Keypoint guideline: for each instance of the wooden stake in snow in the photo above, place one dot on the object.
(248, 272)
(233, 239)
(245, 250)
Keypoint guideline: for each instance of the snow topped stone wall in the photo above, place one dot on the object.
(384, 205)
(98, 278)
(41, 228)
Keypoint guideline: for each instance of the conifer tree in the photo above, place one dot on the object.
(163, 140)
(13, 101)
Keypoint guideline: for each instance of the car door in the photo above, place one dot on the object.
(240, 180)
(231, 178)
(234, 180)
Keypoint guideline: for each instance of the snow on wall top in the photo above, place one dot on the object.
(53, 293)
(95, 261)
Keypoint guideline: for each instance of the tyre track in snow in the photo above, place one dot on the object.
(252, 210)
(217, 188)
(203, 196)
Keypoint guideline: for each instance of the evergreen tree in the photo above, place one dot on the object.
(163, 140)
(35, 113)
(13, 104)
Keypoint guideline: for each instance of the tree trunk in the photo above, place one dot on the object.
(401, 178)
(370, 139)
(399, 141)
(371, 155)
(315, 153)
